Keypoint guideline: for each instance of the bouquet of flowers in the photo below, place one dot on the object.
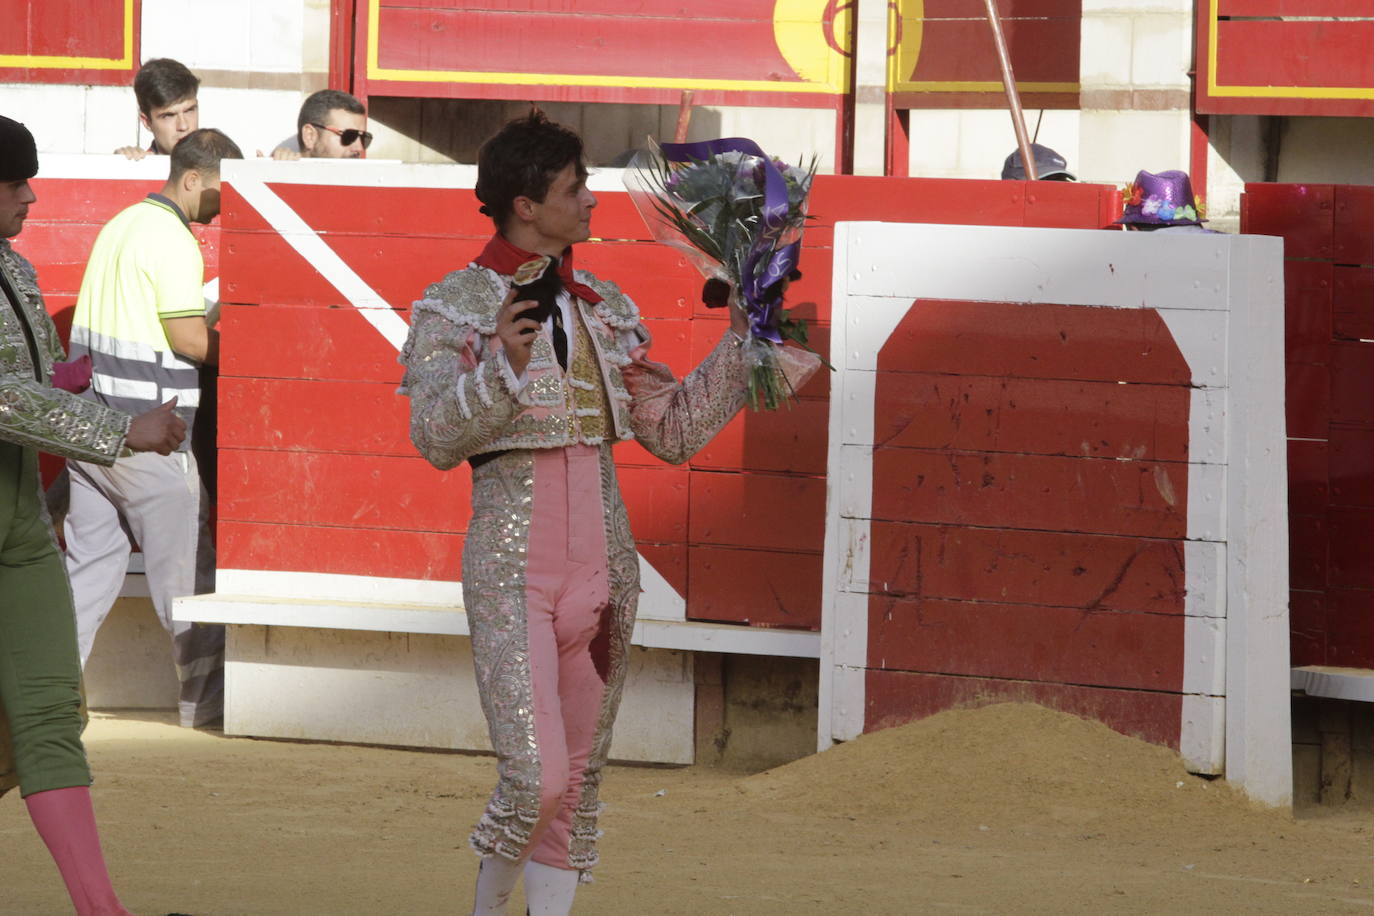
(738, 215)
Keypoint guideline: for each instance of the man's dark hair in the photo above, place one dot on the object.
(161, 82)
(521, 160)
(201, 151)
(318, 106)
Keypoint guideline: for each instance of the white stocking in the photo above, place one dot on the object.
(495, 880)
(548, 890)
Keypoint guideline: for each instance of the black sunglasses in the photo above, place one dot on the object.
(347, 137)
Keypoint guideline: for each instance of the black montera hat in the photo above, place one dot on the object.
(1048, 164)
(18, 154)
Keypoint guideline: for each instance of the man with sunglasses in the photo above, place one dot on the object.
(332, 125)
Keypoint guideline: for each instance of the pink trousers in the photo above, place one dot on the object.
(566, 596)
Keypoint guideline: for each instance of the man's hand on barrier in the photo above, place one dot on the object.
(131, 152)
(159, 430)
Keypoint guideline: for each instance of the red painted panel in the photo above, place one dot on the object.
(1141, 498)
(895, 697)
(671, 562)
(1308, 400)
(657, 502)
(1307, 625)
(924, 200)
(1027, 567)
(1352, 302)
(1302, 214)
(653, 40)
(1350, 546)
(352, 551)
(1034, 416)
(962, 50)
(756, 587)
(1350, 627)
(1309, 486)
(1307, 552)
(1352, 466)
(1065, 206)
(1308, 297)
(762, 511)
(1351, 381)
(1001, 339)
(314, 416)
(356, 491)
(791, 440)
(307, 343)
(1354, 212)
(1293, 8)
(68, 29)
(1294, 54)
(1032, 642)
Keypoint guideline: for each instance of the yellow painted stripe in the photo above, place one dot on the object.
(1272, 92)
(482, 77)
(49, 62)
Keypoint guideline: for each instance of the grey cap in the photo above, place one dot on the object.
(1048, 164)
(18, 153)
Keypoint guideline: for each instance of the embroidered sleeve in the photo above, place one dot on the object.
(675, 419)
(462, 394)
(32, 414)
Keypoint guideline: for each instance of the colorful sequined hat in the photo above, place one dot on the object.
(1164, 199)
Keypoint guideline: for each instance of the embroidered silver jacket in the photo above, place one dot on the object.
(33, 413)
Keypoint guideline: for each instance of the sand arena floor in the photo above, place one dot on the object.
(1009, 809)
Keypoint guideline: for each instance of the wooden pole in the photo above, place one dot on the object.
(1018, 119)
(684, 116)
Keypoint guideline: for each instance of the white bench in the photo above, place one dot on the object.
(377, 661)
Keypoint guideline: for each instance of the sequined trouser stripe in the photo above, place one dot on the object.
(550, 579)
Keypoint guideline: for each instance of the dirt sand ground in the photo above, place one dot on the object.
(1007, 809)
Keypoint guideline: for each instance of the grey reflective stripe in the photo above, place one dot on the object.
(133, 377)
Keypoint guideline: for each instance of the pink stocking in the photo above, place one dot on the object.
(66, 822)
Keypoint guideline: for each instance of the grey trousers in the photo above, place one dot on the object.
(158, 503)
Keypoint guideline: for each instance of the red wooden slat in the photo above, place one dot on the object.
(628, 46)
(1293, 8)
(1307, 624)
(314, 416)
(792, 439)
(763, 511)
(1033, 416)
(1302, 54)
(1352, 303)
(1027, 567)
(1351, 466)
(962, 50)
(895, 697)
(1139, 498)
(382, 552)
(355, 491)
(1350, 627)
(1033, 642)
(1308, 296)
(1354, 215)
(311, 343)
(1302, 214)
(657, 502)
(758, 587)
(1350, 545)
(1309, 481)
(671, 562)
(1351, 380)
(1035, 341)
(1307, 552)
(1308, 400)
